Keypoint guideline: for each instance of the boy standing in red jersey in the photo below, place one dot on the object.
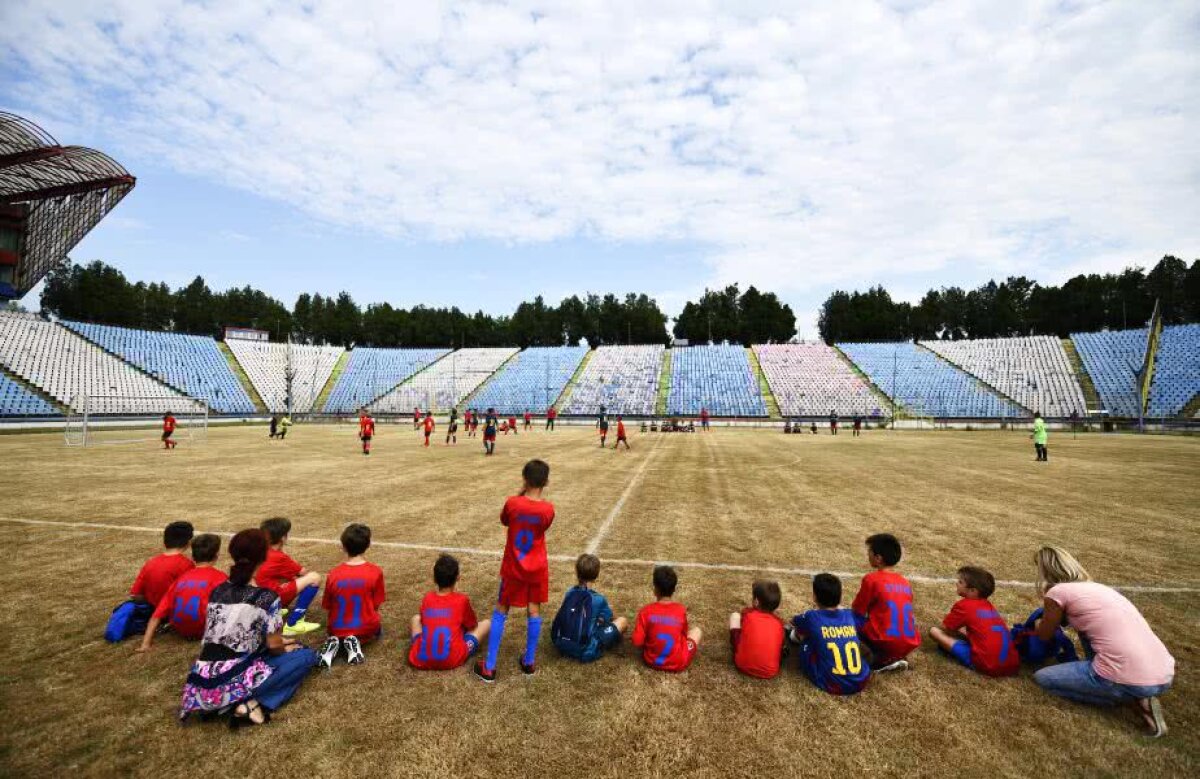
(974, 633)
(662, 631)
(445, 633)
(524, 571)
(353, 594)
(168, 428)
(528, 420)
(512, 423)
(416, 418)
(152, 583)
(621, 438)
(185, 604)
(429, 425)
(366, 430)
(287, 578)
(551, 415)
(884, 607)
(756, 633)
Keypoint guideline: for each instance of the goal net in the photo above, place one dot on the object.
(125, 419)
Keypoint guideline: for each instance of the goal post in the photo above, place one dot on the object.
(124, 419)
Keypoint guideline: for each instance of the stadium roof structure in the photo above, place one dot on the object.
(52, 195)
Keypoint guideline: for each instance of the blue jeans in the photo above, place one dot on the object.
(1079, 682)
(287, 674)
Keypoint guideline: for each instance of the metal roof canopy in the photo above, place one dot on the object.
(66, 190)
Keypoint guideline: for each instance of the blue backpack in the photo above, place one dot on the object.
(128, 619)
(1035, 651)
(573, 625)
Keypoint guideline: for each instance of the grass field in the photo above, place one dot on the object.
(723, 505)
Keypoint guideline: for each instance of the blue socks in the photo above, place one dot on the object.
(533, 632)
(494, 638)
(300, 607)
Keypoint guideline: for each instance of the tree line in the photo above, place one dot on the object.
(100, 293)
(1018, 306)
(749, 317)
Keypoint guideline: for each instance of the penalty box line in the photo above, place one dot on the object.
(562, 558)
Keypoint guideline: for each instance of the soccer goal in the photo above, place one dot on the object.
(125, 419)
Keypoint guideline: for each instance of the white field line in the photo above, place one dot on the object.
(602, 533)
(564, 558)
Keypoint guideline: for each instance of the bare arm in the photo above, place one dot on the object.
(148, 636)
(1052, 615)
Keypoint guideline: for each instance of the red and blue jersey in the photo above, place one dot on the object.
(527, 521)
(158, 574)
(185, 605)
(830, 654)
(884, 607)
(353, 595)
(661, 632)
(992, 652)
(446, 618)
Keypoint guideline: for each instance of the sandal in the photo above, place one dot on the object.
(1152, 714)
(243, 715)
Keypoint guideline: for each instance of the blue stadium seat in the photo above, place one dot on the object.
(716, 377)
(371, 373)
(1176, 370)
(531, 381)
(1112, 358)
(16, 401)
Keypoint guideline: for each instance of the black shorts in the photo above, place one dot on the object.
(167, 434)
(365, 438)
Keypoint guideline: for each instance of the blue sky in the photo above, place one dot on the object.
(477, 154)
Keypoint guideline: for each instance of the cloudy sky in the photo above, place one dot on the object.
(478, 153)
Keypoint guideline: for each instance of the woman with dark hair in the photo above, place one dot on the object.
(246, 667)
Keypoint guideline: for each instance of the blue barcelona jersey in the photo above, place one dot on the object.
(830, 655)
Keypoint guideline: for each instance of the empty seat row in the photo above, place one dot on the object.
(621, 379)
(811, 379)
(445, 383)
(370, 373)
(1176, 370)
(16, 401)
(530, 381)
(716, 377)
(1112, 359)
(275, 368)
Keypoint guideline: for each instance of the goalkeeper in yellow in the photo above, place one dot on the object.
(1039, 437)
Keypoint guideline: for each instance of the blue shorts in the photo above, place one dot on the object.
(472, 644)
(961, 651)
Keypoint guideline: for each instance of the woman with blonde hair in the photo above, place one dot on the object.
(1126, 663)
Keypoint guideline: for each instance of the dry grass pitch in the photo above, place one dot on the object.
(726, 504)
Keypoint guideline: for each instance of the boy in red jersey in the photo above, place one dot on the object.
(512, 423)
(353, 594)
(445, 633)
(428, 426)
(153, 581)
(704, 419)
(524, 571)
(756, 633)
(416, 418)
(551, 415)
(884, 607)
(185, 604)
(168, 428)
(974, 633)
(366, 430)
(621, 438)
(528, 420)
(662, 631)
(287, 578)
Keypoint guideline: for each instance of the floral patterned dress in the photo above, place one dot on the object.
(232, 661)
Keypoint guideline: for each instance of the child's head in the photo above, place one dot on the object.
(665, 581)
(587, 568)
(276, 528)
(766, 595)
(883, 550)
(536, 474)
(248, 550)
(1057, 565)
(178, 535)
(206, 547)
(356, 539)
(975, 582)
(445, 572)
(827, 590)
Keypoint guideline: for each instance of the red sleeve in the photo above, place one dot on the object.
(862, 601)
(957, 617)
(327, 595)
(504, 513)
(469, 621)
(639, 629)
(164, 605)
(291, 569)
(549, 519)
(139, 584)
(378, 595)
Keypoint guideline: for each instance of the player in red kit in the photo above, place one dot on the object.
(153, 581)
(512, 423)
(168, 428)
(428, 426)
(353, 594)
(756, 633)
(884, 607)
(445, 633)
(528, 420)
(185, 604)
(551, 415)
(621, 437)
(366, 430)
(974, 633)
(524, 570)
(416, 418)
(662, 631)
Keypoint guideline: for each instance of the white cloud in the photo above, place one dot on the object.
(800, 144)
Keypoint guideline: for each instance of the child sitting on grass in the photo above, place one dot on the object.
(884, 607)
(287, 578)
(662, 631)
(353, 594)
(756, 633)
(974, 633)
(830, 653)
(153, 580)
(445, 633)
(185, 604)
(584, 627)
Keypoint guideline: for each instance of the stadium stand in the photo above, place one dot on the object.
(266, 365)
(372, 372)
(1112, 358)
(531, 381)
(1176, 371)
(191, 363)
(1033, 371)
(445, 383)
(66, 367)
(16, 401)
(810, 379)
(623, 379)
(716, 377)
(925, 384)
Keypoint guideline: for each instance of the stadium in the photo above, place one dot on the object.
(1028, 446)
